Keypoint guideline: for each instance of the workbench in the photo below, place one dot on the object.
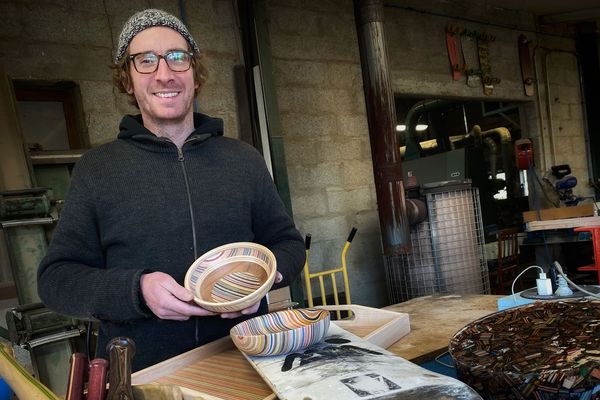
(435, 319)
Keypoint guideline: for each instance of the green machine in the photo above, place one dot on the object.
(27, 217)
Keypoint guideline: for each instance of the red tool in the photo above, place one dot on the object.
(524, 153)
(97, 382)
(76, 377)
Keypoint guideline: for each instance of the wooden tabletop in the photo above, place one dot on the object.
(435, 319)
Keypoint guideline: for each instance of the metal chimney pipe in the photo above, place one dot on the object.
(381, 116)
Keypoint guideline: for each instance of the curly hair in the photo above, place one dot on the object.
(122, 75)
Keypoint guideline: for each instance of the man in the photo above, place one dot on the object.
(141, 209)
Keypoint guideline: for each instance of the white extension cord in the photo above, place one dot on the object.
(544, 284)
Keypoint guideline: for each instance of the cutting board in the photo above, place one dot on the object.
(344, 366)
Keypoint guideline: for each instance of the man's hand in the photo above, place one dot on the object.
(169, 300)
(253, 308)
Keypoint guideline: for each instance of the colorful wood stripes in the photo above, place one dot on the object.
(232, 277)
(545, 350)
(227, 375)
(235, 286)
(281, 332)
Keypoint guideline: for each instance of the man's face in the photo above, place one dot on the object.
(164, 97)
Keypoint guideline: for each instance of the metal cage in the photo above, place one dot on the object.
(447, 250)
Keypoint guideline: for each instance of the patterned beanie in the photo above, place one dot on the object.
(147, 19)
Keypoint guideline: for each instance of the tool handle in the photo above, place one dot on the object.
(121, 351)
(352, 233)
(307, 241)
(97, 382)
(76, 376)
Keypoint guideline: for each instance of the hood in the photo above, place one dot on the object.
(131, 128)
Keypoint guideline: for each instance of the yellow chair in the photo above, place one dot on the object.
(331, 273)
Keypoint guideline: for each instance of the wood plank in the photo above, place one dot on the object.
(584, 210)
(380, 327)
(564, 223)
(226, 376)
(435, 319)
(153, 373)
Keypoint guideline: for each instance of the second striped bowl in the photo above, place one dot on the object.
(281, 332)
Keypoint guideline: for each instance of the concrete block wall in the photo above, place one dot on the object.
(417, 47)
(318, 81)
(562, 117)
(74, 41)
(420, 66)
(317, 73)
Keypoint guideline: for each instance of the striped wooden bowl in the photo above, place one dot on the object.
(232, 277)
(281, 332)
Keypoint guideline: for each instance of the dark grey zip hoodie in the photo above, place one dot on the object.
(138, 205)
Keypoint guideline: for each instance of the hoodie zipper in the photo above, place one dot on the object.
(181, 160)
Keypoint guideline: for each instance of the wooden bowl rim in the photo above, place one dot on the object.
(227, 306)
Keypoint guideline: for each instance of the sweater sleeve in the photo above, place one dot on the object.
(73, 278)
(274, 228)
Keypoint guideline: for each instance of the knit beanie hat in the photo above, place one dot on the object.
(147, 19)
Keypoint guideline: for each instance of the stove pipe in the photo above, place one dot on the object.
(381, 116)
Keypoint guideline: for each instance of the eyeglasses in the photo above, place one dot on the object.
(147, 62)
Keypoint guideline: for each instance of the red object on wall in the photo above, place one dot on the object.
(524, 153)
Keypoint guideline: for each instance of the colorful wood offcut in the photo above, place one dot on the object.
(546, 350)
(232, 277)
(280, 332)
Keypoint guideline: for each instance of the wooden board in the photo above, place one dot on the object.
(584, 210)
(563, 223)
(348, 367)
(380, 327)
(435, 319)
(210, 371)
(527, 71)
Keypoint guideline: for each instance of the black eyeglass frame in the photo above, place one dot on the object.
(159, 56)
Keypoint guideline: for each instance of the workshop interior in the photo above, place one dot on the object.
(447, 189)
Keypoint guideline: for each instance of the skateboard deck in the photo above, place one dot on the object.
(483, 49)
(455, 56)
(345, 366)
(526, 65)
(471, 59)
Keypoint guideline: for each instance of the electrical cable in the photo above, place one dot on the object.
(88, 340)
(512, 288)
(560, 271)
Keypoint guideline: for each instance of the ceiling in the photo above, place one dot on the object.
(554, 10)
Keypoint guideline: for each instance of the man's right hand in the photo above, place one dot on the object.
(167, 299)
